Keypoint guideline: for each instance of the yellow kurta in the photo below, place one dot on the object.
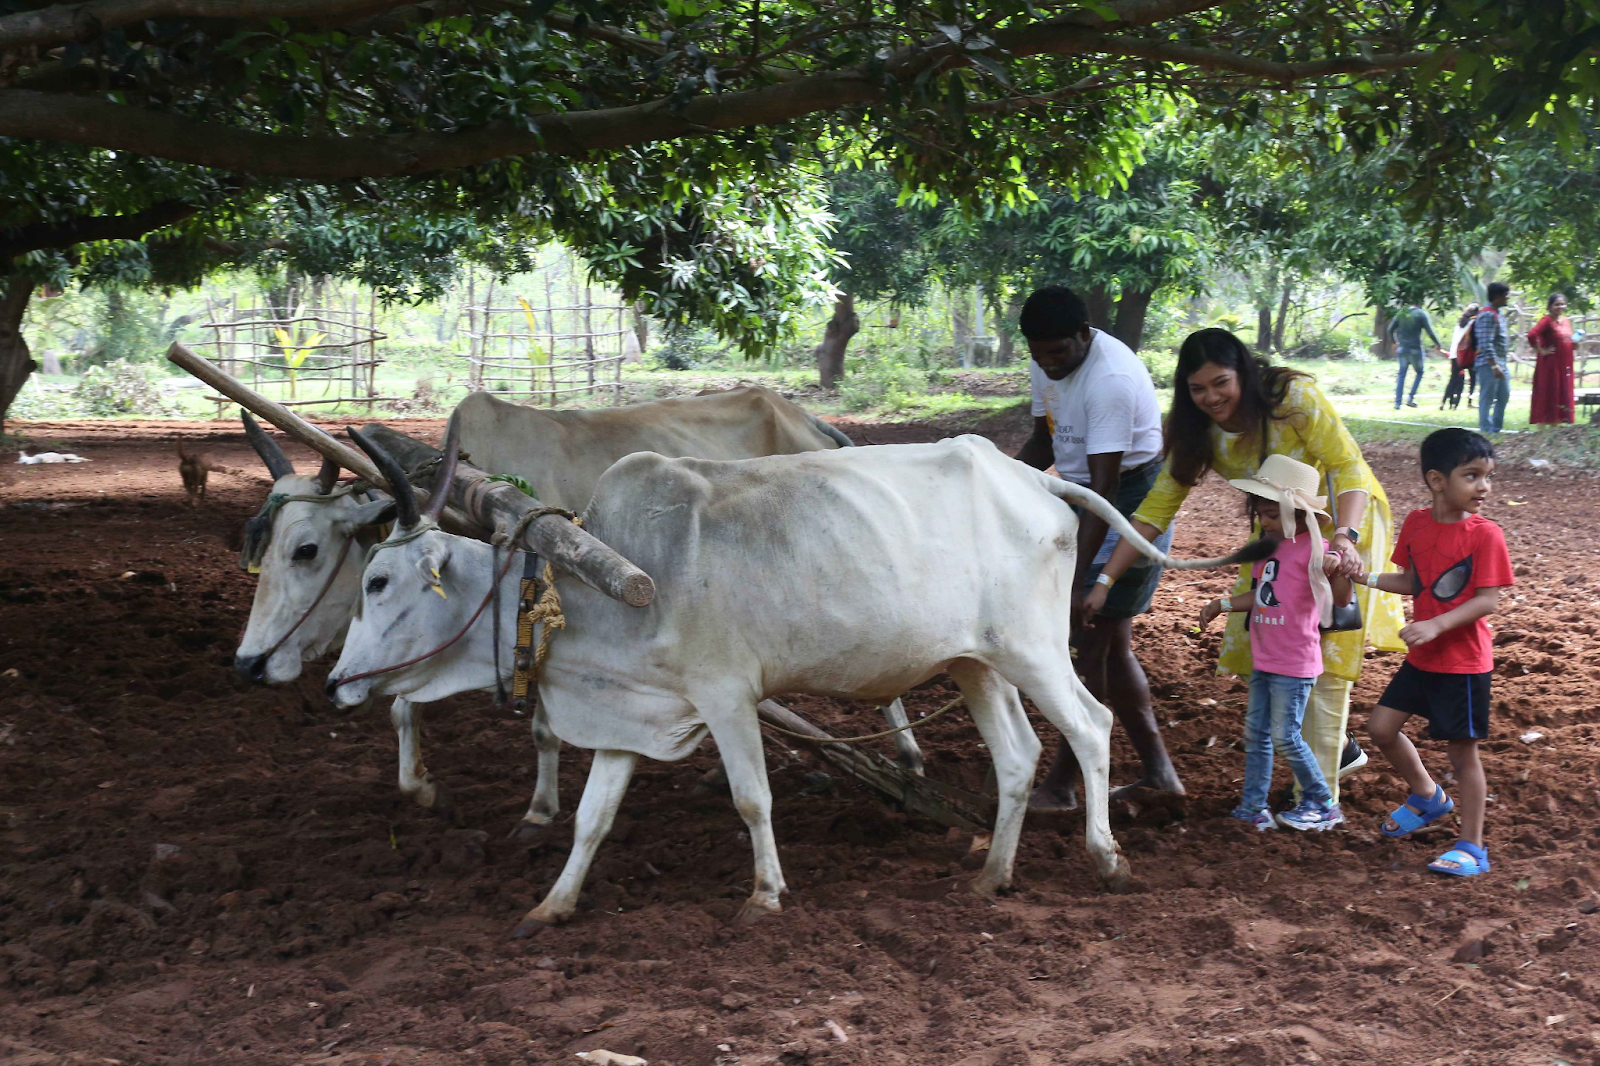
(1313, 434)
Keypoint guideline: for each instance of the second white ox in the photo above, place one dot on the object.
(309, 546)
(855, 573)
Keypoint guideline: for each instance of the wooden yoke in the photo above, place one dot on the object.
(496, 503)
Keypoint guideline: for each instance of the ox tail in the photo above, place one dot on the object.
(1090, 500)
(832, 432)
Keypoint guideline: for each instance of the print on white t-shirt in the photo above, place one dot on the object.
(1107, 405)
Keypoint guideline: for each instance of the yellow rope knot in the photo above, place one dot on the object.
(546, 613)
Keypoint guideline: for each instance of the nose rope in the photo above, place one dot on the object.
(338, 564)
(513, 537)
(258, 532)
(494, 584)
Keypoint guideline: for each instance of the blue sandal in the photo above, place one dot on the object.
(1416, 812)
(1470, 860)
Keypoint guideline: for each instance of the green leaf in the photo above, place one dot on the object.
(520, 484)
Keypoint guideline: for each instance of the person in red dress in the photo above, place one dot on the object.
(1551, 340)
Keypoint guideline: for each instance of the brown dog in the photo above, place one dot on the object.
(195, 468)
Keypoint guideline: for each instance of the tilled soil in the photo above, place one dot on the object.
(200, 871)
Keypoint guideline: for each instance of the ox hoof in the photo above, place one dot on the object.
(528, 831)
(983, 886)
(1148, 794)
(1045, 798)
(714, 782)
(531, 926)
(1120, 879)
(911, 766)
(753, 912)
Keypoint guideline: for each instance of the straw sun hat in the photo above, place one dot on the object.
(1289, 483)
(1293, 486)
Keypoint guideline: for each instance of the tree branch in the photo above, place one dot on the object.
(41, 235)
(1210, 59)
(97, 122)
(60, 24)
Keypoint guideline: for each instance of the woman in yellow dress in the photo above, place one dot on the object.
(1230, 410)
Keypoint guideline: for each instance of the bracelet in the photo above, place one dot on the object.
(1370, 580)
(1102, 578)
(1224, 606)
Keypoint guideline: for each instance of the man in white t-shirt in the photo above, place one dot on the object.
(1096, 418)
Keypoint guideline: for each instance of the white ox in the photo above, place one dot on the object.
(855, 573)
(561, 454)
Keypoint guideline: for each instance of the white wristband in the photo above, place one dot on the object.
(1224, 606)
(1370, 580)
(1102, 578)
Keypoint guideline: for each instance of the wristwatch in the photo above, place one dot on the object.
(1350, 531)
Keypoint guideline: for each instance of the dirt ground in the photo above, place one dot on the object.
(194, 871)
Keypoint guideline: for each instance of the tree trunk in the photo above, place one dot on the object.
(15, 362)
(1131, 311)
(961, 327)
(1380, 332)
(1006, 331)
(1283, 317)
(1100, 306)
(641, 328)
(1264, 329)
(835, 339)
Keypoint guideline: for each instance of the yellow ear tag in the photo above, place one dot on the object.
(434, 570)
(255, 568)
(440, 590)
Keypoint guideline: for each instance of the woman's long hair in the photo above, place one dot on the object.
(1262, 390)
(1468, 315)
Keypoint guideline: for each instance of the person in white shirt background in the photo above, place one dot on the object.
(1096, 418)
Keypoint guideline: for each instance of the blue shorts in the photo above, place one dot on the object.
(1455, 705)
(1131, 594)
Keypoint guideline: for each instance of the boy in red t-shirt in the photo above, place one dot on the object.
(1454, 563)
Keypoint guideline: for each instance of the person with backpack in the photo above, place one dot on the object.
(1464, 354)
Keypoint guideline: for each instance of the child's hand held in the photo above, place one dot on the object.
(1419, 633)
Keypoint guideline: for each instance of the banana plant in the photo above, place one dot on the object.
(536, 355)
(295, 349)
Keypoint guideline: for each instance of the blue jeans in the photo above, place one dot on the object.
(1272, 722)
(1493, 393)
(1407, 359)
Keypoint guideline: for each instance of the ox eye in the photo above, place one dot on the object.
(305, 552)
(377, 584)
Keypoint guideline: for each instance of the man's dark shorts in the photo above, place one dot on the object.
(1132, 593)
(1455, 705)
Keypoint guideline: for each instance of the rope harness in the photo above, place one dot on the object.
(870, 736)
(258, 530)
(549, 600)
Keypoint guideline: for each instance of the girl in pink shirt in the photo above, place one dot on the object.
(1291, 600)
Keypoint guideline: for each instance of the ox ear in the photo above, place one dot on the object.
(372, 513)
(432, 566)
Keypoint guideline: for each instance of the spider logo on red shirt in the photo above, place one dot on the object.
(1452, 581)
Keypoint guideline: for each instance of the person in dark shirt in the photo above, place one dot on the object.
(1405, 331)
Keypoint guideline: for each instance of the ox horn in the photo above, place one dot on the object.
(327, 476)
(405, 497)
(278, 464)
(447, 474)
